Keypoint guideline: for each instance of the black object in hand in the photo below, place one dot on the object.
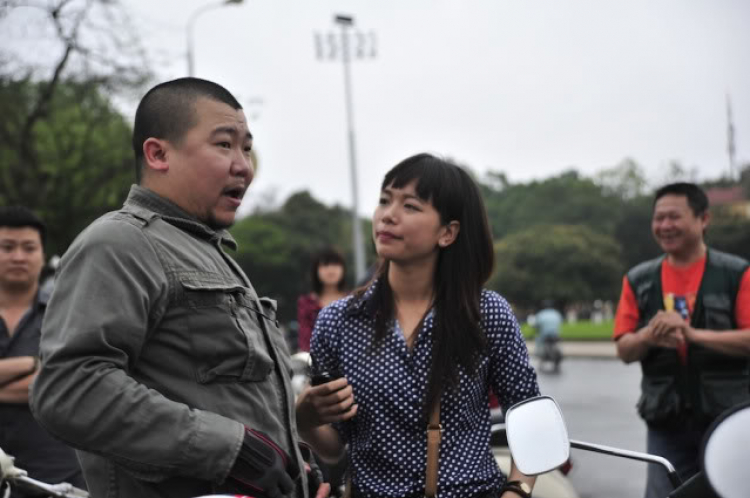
(324, 377)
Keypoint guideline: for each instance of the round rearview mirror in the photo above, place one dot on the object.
(537, 436)
(727, 451)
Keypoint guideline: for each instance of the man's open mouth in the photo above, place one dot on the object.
(235, 193)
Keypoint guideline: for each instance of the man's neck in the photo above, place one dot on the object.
(687, 258)
(17, 297)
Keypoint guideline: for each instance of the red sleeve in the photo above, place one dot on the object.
(626, 319)
(742, 304)
(306, 315)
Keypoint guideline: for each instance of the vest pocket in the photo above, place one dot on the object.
(721, 391)
(718, 309)
(659, 400)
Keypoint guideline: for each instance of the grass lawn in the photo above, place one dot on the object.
(582, 330)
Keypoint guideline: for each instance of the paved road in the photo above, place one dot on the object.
(597, 397)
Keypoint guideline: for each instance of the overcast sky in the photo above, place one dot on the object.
(527, 87)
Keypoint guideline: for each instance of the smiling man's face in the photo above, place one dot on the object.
(677, 230)
(210, 168)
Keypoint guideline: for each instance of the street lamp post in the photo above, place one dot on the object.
(191, 23)
(346, 22)
(730, 139)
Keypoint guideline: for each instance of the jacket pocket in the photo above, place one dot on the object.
(718, 310)
(659, 400)
(721, 391)
(227, 344)
(265, 316)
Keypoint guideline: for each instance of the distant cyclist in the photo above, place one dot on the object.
(547, 322)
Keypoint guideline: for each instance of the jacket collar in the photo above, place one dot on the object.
(149, 205)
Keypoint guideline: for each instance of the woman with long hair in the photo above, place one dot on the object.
(328, 278)
(423, 342)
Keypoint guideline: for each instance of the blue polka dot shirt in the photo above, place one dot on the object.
(387, 441)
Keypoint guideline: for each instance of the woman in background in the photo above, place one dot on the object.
(328, 278)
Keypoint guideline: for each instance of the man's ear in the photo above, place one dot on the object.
(155, 154)
(450, 232)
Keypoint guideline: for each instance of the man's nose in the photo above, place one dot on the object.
(666, 223)
(244, 167)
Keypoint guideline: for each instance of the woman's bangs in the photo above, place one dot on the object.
(427, 178)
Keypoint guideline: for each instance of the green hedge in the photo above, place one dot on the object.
(582, 330)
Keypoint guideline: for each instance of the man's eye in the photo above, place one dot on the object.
(224, 145)
(412, 207)
(383, 201)
(248, 149)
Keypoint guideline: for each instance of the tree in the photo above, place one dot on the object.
(676, 172)
(64, 147)
(625, 180)
(633, 231)
(73, 165)
(276, 247)
(91, 40)
(567, 263)
(729, 232)
(566, 199)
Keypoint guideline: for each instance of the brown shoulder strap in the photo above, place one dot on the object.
(434, 433)
(433, 449)
(348, 486)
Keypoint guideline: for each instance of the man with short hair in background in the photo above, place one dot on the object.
(22, 307)
(686, 317)
(160, 363)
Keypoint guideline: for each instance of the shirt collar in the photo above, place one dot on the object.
(148, 205)
(364, 303)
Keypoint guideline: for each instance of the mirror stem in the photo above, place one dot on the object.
(633, 455)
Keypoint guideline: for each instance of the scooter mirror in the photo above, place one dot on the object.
(727, 451)
(537, 436)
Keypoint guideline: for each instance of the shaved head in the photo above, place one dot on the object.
(167, 112)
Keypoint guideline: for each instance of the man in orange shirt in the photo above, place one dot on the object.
(686, 317)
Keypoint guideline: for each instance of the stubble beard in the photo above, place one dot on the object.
(214, 223)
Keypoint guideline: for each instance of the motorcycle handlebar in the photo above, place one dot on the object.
(62, 490)
(12, 476)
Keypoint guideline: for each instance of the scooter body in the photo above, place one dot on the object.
(550, 355)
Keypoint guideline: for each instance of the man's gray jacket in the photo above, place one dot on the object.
(156, 351)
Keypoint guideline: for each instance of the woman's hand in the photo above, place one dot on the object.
(326, 403)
